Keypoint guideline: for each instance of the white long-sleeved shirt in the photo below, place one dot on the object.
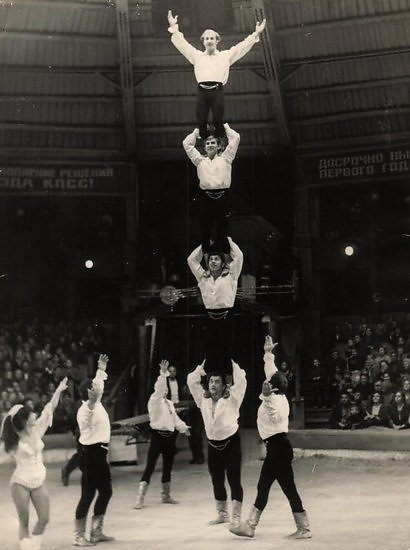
(215, 67)
(273, 412)
(94, 424)
(161, 411)
(213, 173)
(217, 293)
(224, 422)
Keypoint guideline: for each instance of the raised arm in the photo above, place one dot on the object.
(194, 262)
(160, 387)
(194, 384)
(99, 381)
(45, 419)
(238, 388)
(189, 145)
(268, 358)
(242, 48)
(179, 41)
(235, 267)
(233, 143)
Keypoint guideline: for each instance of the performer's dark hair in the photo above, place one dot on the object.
(279, 381)
(215, 373)
(12, 426)
(205, 384)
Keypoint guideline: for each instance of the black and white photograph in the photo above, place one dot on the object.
(204, 274)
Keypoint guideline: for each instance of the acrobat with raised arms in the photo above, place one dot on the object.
(214, 174)
(211, 68)
(273, 425)
(218, 285)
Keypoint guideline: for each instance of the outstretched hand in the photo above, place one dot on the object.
(173, 20)
(260, 26)
(62, 385)
(164, 366)
(266, 389)
(269, 344)
(102, 362)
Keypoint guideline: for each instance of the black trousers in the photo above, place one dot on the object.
(218, 341)
(224, 457)
(210, 100)
(160, 445)
(278, 465)
(74, 460)
(96, 476)
(214, 210)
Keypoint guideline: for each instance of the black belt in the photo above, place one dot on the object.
(210, 85)
(95, 446)
(164, 433)
(276, 437)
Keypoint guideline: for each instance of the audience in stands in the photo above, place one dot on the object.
(36, 356)
(369, 366)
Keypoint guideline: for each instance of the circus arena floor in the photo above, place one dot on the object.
(353, 503)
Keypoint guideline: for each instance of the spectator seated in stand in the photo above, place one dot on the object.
(376, 413)
(405, 388)
(399, 412)
(340, 413)
(355, 417)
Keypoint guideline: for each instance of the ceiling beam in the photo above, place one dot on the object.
(64, 98)
(38, 127)
(126, 74)
(382, 139)
(272, 72)
(102, 4)
(351, 115)
(35, 98)
(359, 85)
(93, 70)
(53, 36)
(251, 125)
(14, 154)
(187, 127)
(110, 70)
(343, 57)
(8, 154)
(344, 22)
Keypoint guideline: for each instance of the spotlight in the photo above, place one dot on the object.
(349, 250)
(89, 264)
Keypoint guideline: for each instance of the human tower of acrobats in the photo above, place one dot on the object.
(218, 385)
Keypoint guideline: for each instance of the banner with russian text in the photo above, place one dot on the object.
(350, 167)
(80, 179)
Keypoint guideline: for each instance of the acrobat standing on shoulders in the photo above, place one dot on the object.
(214, 173)
(218, 288)
(211, 68)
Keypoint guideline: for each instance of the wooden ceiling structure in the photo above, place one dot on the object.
(100, 79)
